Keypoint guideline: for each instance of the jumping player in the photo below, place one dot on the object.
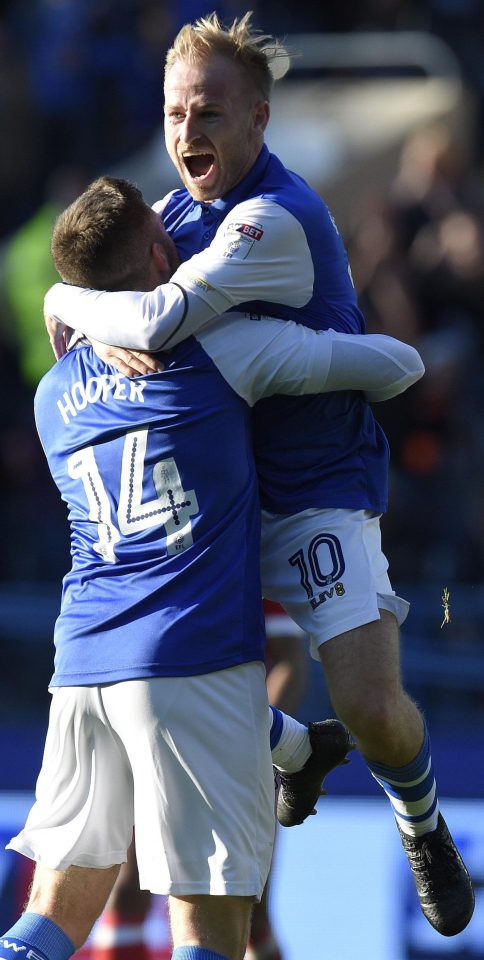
(159, 718)
(322, 461)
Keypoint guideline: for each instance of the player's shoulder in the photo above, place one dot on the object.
(55, 371)
(252, 213)
(174, 201)
(262, 223)
(65, 369)
(160, 205)
(283, 199)
(287, 187)
(52, 385)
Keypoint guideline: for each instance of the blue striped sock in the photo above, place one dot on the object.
(196, 953)
(276, 727)
(33, 931)
(411, 791)
(290, 743)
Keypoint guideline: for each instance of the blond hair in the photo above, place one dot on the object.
(254, 51)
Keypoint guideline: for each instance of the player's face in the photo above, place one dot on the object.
(214, 125)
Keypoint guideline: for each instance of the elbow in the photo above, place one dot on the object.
(410, 363)
(150, 340)
(162, 315)
(418, 366)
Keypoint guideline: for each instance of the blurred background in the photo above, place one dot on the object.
(382, 111)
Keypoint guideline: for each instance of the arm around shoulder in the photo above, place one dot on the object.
(149, 321)
(380, 366)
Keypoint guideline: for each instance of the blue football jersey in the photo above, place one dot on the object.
(161, 489)
(159, 479)
(271, 248)
(321, 451)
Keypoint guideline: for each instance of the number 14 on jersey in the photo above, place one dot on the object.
(172, 508)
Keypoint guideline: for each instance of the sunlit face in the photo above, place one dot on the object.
(214, 125)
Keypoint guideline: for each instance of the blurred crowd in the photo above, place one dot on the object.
(81, 88)
(417, 255)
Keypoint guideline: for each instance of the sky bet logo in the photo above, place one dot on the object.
(248, 230)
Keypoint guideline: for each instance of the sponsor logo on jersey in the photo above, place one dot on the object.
(239, 238)
(232, 248)
(201, 282)
(337, 591)
(251, 230)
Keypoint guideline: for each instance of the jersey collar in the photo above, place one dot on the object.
(243, 189)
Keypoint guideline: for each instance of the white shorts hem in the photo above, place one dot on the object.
(229, 889)
(396, 605)
(97, 861)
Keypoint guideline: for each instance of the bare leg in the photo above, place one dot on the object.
(126, 897)
(286, 680)
(363, 673)
(220, 924)
(72, 898)
(362, 670)
(120, 934)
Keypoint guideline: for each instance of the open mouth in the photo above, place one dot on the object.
(199, 165)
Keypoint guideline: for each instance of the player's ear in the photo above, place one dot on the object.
(160, 261)
(261, 114)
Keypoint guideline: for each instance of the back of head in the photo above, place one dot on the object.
(256, 53)
(103, 239)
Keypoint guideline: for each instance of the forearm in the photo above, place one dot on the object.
(380, 366)
(155, 320)
(261, 358)
(206, 286)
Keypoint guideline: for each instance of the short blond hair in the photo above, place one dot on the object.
(246, 46)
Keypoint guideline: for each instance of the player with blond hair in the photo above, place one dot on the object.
(265, 243)
(159, 719)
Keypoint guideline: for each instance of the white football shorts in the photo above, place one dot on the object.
(327, 569)
(185, 760)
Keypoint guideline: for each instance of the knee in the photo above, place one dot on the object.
(375, 718)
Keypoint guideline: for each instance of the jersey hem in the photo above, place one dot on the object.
(146, 673)
(281, 508)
